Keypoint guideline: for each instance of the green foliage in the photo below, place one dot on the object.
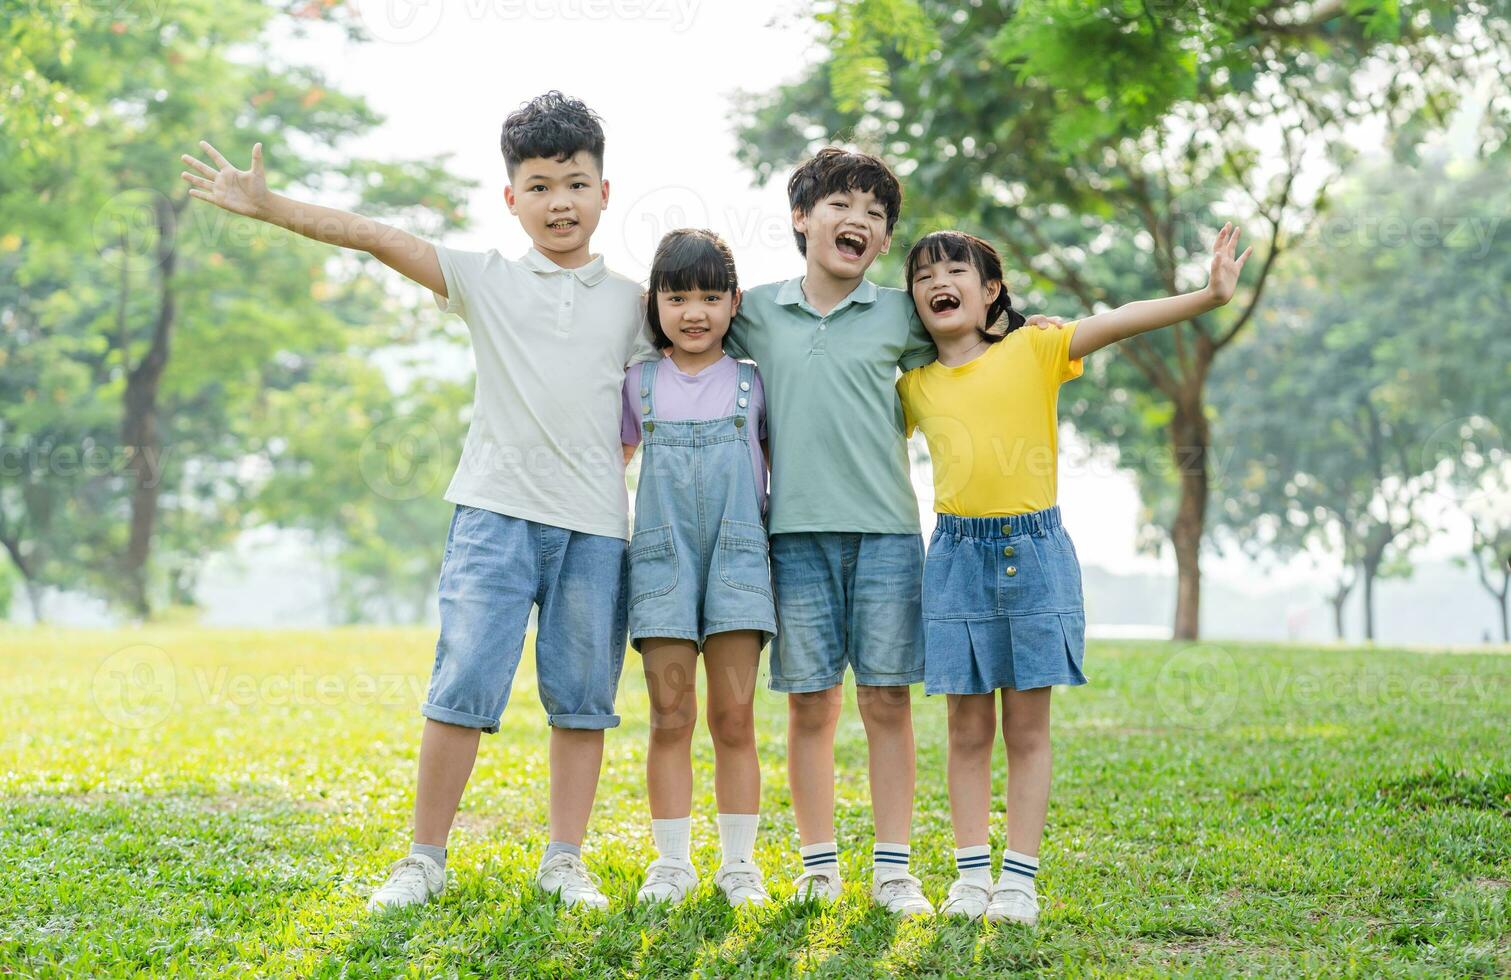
(102, 248)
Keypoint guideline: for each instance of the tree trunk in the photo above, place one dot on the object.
(34, 597)
(139, 429)
(1190, 441)
(1368, 569)
(28, 572)
(1338, 600)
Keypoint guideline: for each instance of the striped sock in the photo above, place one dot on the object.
(821, 857)
(1018, 871)
(673, 837)
(889, 861)
(974, 864)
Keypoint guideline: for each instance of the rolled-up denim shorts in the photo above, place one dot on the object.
(495, 569)
(846, 598)
(1002, 605)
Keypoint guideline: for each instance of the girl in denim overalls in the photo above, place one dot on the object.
(700, 579)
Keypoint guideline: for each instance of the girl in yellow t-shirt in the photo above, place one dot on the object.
(1002, 602)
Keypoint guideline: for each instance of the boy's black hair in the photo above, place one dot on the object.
(834, 169)
(688, 260)
(551, 126)
(957, 246)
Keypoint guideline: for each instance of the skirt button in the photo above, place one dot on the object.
(1012, 570)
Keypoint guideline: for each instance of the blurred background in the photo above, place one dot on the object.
(204, 419)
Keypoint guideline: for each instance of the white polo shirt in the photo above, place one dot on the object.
(552, 346)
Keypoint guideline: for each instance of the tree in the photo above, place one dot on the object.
(1336, 406)
(184, 319)
(1097, 143)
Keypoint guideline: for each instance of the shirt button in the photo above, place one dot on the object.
(645, 393)
(744, 385)
(645, 409)
(1007, 552)
(743, 402)
(1012, 570)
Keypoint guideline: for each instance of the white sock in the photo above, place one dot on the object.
(821, 857)
(1018, 871)
(974, 864)
(673, 837)
(737, 837)
(889, 861)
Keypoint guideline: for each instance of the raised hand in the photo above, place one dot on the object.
(239, 191)
(1223, 278)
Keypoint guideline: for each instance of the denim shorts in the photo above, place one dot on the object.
(1002, 605)
(846, 598)
(495, 569)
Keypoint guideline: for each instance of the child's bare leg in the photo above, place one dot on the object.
(973, 733)
(811, 720)
(1025, 729)
(887, 713)
(671, 678)
(447, 753)
(576, 756)
(731, 660)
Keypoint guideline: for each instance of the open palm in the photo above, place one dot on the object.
(1225, 268)
(240, 191)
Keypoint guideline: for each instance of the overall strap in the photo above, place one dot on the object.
(647, 386)
(744, 394)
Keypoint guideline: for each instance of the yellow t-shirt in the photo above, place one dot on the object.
(992, 424)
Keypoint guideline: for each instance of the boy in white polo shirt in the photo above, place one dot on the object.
(541, 509)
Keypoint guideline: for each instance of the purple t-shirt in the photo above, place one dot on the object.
(709, 394)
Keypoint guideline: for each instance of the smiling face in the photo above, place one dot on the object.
(844, 232)
(696, 320)
(951, 298)
(558, 203)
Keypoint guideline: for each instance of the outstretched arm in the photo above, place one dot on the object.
(1097, 331)
(246, 192)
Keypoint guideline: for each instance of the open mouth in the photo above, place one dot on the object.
(850, 245)
(694, 331)
(943, 303)
(562, 224)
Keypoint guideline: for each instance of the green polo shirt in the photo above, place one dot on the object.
(839, 461)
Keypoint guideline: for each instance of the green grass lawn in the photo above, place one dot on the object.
(209, 803)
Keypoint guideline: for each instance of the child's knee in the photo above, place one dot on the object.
(674, 724)
(972, 732)
(888, 707)
(1025, 738)
(732, 727)
(814, 713)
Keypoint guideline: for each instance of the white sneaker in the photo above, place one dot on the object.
(1013, 905)
(412, 880)
(566, 877)
(668, 880)
(817, 886)
(902, 896)
(966, 900)
(742, 884)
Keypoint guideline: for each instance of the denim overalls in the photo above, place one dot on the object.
(698, 560)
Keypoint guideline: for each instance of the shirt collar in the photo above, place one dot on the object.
(589, 275)
(791, 294)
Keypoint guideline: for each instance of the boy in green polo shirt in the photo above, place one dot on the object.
(846, 549)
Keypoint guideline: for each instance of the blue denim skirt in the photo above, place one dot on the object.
(1002, 605)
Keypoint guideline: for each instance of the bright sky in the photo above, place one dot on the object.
(445, 73)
